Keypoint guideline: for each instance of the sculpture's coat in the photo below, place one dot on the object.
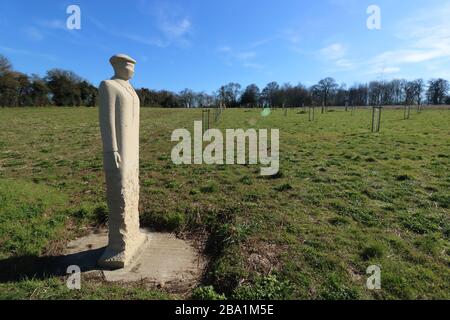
(119, 125)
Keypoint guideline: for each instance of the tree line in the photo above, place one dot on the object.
(65, 88)
(58, 87)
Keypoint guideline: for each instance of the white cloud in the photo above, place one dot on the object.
(404, 56)
(53, 24)
(171, 26)
(344, 63)
(379, 68)
(292, 35)
(252, 65)
(34, 34)
(391, 70)
(244, 58)
(175, 29)
(336, 55)
(334, 51)
(224, 49)
(261, 42)
(424, 37)
(31, 54)
(144, 40)
(352, 7)
(171, 22)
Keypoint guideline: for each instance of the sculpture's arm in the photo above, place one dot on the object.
(107, 115)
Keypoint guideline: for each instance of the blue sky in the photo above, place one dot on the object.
(203, 44)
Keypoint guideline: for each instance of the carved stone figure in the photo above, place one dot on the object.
(119, 125)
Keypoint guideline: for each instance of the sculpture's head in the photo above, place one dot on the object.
(123, 66)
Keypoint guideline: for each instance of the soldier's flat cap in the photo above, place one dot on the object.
(121, 57)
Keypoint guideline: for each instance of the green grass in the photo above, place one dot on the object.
(344, 199)
(56, 289)
(30, 216)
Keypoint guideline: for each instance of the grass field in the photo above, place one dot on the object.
(344, 199)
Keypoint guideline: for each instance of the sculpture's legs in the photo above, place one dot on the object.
(124, 235)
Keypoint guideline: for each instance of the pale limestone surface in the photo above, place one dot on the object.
(119, 125)
(163, 260)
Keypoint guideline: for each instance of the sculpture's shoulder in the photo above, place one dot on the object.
(109, 87)
(108, 84)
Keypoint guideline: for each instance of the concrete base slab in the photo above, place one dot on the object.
(163, 259)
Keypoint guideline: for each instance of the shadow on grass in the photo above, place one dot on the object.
(32, 267)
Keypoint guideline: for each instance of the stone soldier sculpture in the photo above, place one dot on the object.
(119, 125)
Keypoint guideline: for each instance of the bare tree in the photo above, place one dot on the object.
(294, 96)
(187, 97)
(437, 91)
(326, 87)
(271, 95)
(359, 95)
(250, 96)
(5, 65)
(229, 94)
(202, 99)
(419, 87)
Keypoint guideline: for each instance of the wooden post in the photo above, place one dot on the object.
(312, 113)
(376, 118)
(209, 112)
(205, 120)
(217, 113)
(406, 112)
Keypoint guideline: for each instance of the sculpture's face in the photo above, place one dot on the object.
(124, 70)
